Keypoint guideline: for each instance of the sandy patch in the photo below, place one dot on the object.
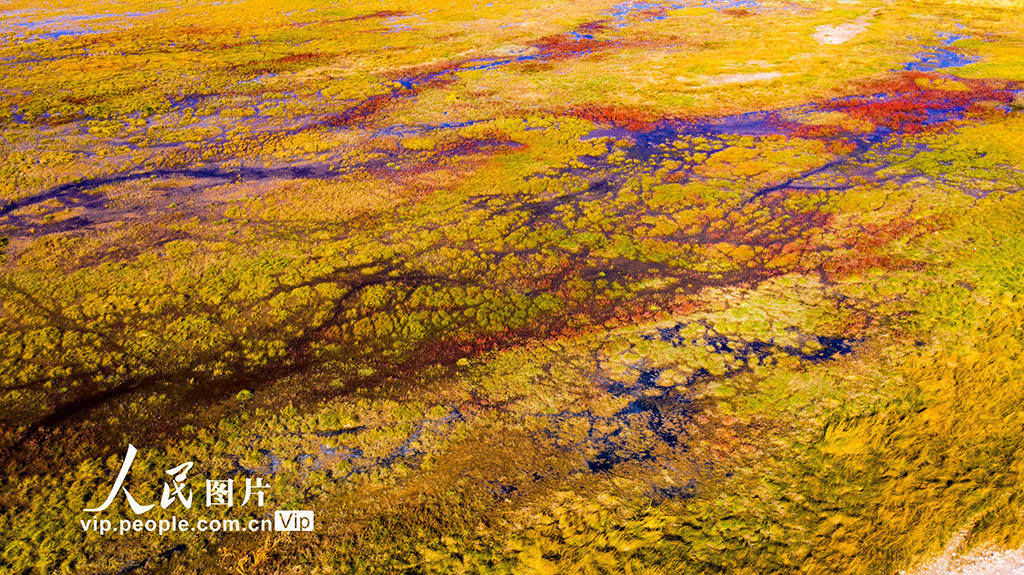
(826, 34)
(840, 33)
(989, 3)
(981, 561)
(515, 50)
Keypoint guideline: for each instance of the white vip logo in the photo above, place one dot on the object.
(293, 521)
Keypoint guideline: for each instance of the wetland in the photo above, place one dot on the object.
(590, 287)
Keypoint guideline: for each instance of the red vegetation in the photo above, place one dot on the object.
(631, 119)
(650, 13)
(566, 46)
(591, 27)
(372, 15)
(861, 262)
(862, 254)
(360, 111)
(433, 77)
(910, 108)
(684, 304)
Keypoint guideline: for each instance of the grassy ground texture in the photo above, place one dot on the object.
(588, 287)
